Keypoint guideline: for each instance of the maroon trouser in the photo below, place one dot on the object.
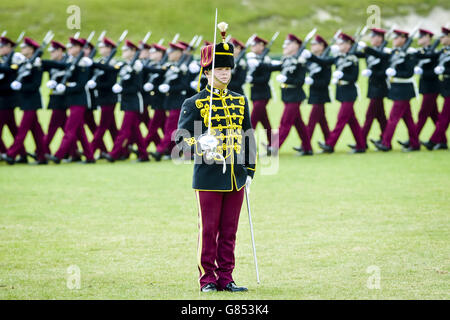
(374, 111)
(401, 109)
(158, 120)
(73, 131)
(166, 144)
(89, 120)
(442, 123)
(107, 122)
(7, 118)
(57, 120)
(145, 116)
(129, 131)
(347, 115)
(292, 117)
(218, 214)
(31, 123)
(427, 109)
(259, 114)
(317, 115)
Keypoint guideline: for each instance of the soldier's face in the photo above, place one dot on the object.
(424, 40)
(258, 48)
(399, 41)
(237, 50)
(222, 77)
(74, 50)
(290, 48)
(344, 46)
(376, 40)
(145, 54)
(5, 49)
(317, 48)
(445, 40)
(127, 54)
(104, 51)
(156, 55)
(56, 54)
(27, 51)
(174, 55)
(87, 51)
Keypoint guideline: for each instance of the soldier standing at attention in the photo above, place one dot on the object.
(401, 82)
(9, 63)
(291, 79)
(345, 77)
(29, 98)
(377, 89)
(219, 194)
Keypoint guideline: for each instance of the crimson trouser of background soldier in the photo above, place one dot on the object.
(107, 122)
(90, 122)
(166, 144)
(347, 115)
(442, 123)
(374, 111)
(259, 114)
(145, 116)
(129, 132)
(400, 109)
(7, 118)
(292, 117)
(158, 121)
(317, 115)
(73, 130)
(29, 123)
(57, 120)
(218, 222)
(427, 109)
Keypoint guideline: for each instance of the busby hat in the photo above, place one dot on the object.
(223, 52)
(5, 41)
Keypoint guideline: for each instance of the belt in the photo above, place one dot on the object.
(402, 80)
(343, 82)
(285, 86)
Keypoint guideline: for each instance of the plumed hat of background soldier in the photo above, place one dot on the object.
(129, 45)
(106, 42)
(445, 31)
(5, 41)
(424, 32)
(293, 38)
(158, 47)
(30, 43)
(237, 43)
(401, 33)
(377, 32)
(318, 39)
(343, 37)
(55, 45)
(223, 52)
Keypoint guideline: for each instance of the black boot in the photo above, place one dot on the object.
(380, 146)
(53, 158)
(232, 287)
(298, 149)
(428, 144)
(326, 148)
(156, 155)
(22, 159)
(441, 146)
(108, 157)
(404, 144)
(8, 159)
(210, 287)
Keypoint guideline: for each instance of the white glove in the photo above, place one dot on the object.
(248, 79)
(85, 62)
(361, 45)
(309, 80)
(252, 63)
(194, 84)
(148, 86)
(251, 55)
(164, 88)
(366, 72)
(208, 144)
(390, 72)
(275, 63)
(138, 66)
(418, 70)
(91, 84)
(248, 183)
(334, 81)
(334, 49)
(338, 74)
(37, 62)
(439, 70)
(18, 58)
(16, 85)
(117, 88)
(51, 84)
(60, 88)
(281, 78)
(306, 54)
(193, 67)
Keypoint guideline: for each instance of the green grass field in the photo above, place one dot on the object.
(320, 223)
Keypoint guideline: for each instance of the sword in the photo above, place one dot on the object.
(251, 233)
